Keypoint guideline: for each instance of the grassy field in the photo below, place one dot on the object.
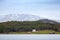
(39, 32)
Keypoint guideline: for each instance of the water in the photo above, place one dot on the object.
(29, 37)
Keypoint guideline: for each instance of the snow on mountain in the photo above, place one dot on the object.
(18, 17)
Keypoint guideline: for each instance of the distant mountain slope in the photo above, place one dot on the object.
(18, 17)
(48, 21)
(24, 17)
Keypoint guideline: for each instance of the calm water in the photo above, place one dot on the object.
(28, 37)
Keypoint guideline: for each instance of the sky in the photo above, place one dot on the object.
(43, 8)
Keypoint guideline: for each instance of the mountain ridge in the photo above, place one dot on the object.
(48, 21)
(24, 17)
(19, 17)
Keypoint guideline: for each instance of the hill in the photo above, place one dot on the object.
(19, 26)
(48, 21)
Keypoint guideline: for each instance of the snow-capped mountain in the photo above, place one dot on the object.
(18, 17)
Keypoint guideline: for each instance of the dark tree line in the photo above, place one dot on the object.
(18, 26)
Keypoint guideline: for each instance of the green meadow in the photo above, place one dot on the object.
(39, 32)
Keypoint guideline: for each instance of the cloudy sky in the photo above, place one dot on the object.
(44, 8)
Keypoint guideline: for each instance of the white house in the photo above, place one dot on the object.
(34, 30)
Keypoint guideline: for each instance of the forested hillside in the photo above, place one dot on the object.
(24, 26)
